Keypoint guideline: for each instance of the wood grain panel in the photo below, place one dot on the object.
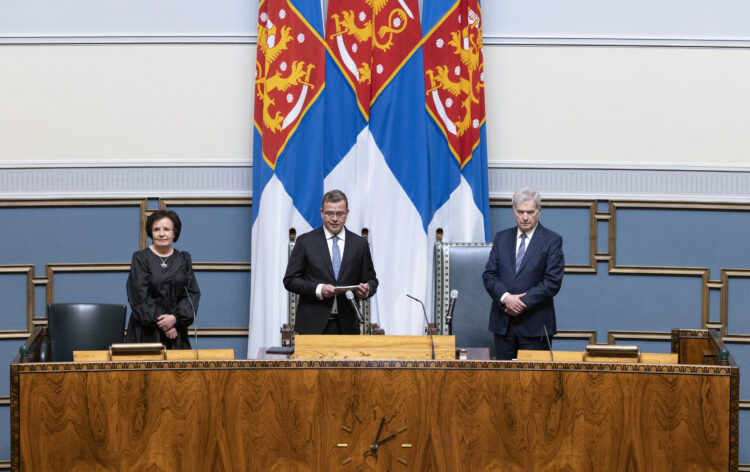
(577, 356)
(172, 355)
(374, 347)
(275, 416)
(694, 350)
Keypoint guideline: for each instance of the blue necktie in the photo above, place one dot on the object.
(336, 257)
(521, 252)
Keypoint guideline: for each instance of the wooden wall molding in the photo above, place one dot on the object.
(704, 272)
(28, 270)
(53, 269)
(726, 274)
(47, 279)
(589, 268)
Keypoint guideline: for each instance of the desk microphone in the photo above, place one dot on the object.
(195, 320)
(427, 323)
(549, 344)
(350, 297)
(451, 307)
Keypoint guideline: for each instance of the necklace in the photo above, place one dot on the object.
(163, 260)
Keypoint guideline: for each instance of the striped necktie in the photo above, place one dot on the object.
(521, 252)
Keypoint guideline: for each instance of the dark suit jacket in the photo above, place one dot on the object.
(540, 276)
(310, 265)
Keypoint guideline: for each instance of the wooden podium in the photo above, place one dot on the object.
(325, 414)
(374, 347)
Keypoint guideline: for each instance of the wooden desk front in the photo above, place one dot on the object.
(297, 415)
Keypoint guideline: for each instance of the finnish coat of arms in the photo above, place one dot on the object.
(289, 74)
(454, 77)
(369, 40)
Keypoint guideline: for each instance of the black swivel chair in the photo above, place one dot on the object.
(83, 327)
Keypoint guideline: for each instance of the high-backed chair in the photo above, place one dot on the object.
(83, 327)
(459, 266)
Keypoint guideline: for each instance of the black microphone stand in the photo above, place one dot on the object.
(427, 324)
(195, 321)
(360, 321)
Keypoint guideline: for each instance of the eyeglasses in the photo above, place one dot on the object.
(337, 214)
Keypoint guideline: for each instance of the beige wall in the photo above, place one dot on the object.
(126, 103)
(618, 105)
(555, 105)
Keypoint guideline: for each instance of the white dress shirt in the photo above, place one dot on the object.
(518, 244)
(341, 242)
(329, 240)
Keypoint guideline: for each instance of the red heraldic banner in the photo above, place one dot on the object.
(454, 77)
(290, 74)
(370, 40)
(287, 152)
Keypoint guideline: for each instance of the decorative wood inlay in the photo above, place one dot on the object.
(287, 415)
(174, 354)
(374, 347)
(577, 356)
(374, 364)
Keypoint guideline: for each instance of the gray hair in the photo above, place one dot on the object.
(525, 194)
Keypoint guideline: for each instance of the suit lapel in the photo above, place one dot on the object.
(533, 246)
(511, 248)
(348, 252)
(321, 246)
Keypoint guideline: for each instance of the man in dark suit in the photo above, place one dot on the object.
(325, 258)
(523, 273)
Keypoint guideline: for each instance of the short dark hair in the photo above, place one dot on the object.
(159, 214)
(334, 196)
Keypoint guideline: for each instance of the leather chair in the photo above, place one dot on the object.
(459, 266)
(83, 327)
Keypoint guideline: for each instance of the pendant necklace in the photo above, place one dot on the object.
(163, 260)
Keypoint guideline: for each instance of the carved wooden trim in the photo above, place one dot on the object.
(15, 419)
(374, 364)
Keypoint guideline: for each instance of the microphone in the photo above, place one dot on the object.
(195, 320)
(549, 344)
(451, 307)
(427, 323)
(350, 297)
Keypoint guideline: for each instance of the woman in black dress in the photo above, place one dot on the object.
(161, 277)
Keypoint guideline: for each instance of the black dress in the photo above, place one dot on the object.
(154, 291)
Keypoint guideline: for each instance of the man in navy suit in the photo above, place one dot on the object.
(325, 258)
(523, 273)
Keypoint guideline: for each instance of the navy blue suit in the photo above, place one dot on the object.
(540, 276)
